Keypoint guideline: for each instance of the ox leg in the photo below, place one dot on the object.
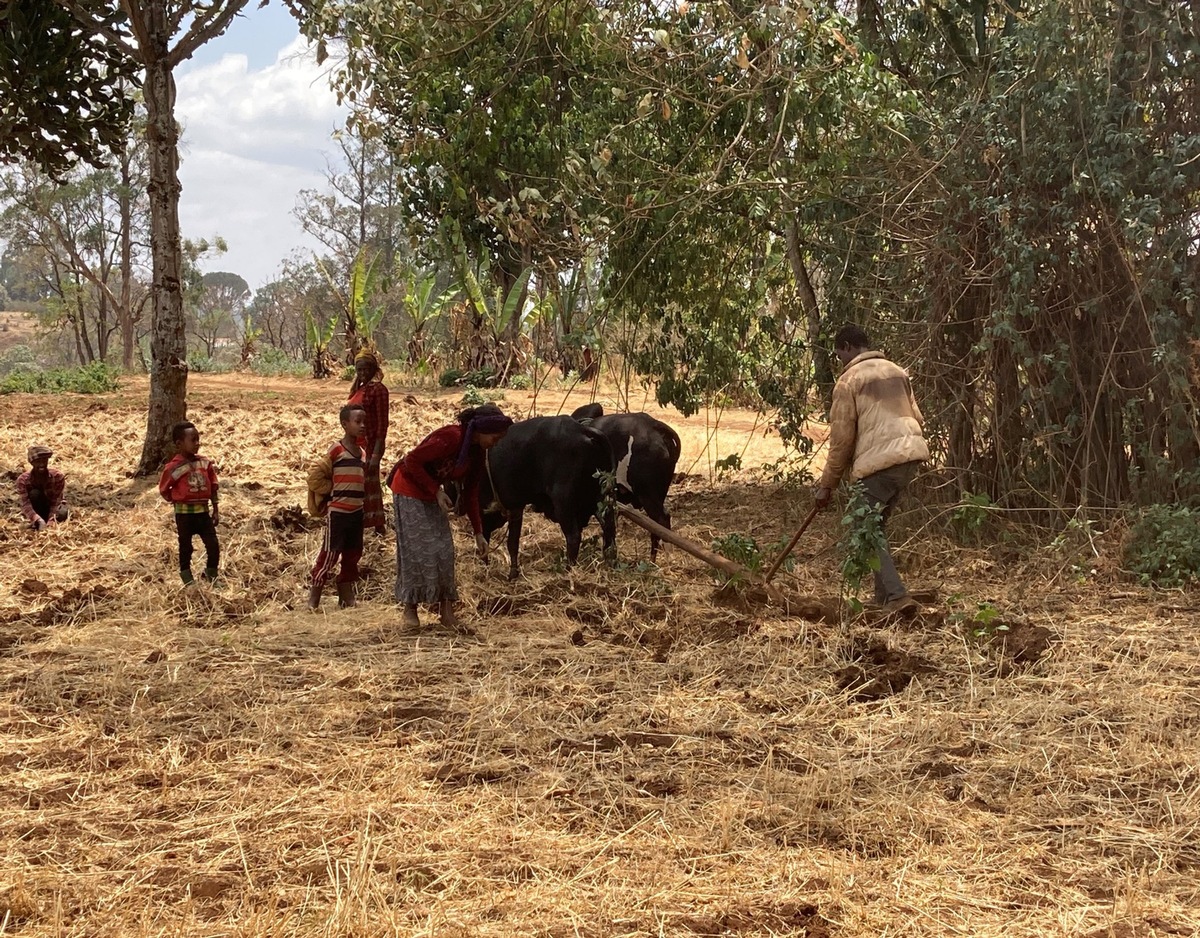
(516, 518)
(573, 532)
(657, 512)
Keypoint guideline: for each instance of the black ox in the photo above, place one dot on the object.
(645, 451)
(548, 464)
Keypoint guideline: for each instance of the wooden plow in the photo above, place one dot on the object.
(759, 588)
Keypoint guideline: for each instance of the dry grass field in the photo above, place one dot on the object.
(614, 752)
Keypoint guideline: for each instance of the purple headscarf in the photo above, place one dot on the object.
(486, 419)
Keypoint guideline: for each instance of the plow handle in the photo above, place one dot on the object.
(791, 544)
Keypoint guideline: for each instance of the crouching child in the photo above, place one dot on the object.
(342, 502)
(189, 483)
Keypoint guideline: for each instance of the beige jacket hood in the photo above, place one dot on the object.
(874, 423)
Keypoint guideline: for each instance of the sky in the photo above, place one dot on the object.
(258, 116)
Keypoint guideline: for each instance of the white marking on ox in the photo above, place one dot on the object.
(623, 467)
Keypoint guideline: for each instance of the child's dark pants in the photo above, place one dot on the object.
(188, 527)
(343, 542)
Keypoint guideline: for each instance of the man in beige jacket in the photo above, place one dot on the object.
(875, 435)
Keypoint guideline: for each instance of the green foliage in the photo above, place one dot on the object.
(608, 492)
(1163, 546)
(491, 106)
(989, 189)
(862, 538)
(17, 357)
(970, 516)
(362, 310)
(476, 397)
(477, 377)
(96, 378)
(206, 364)
(786, 471)
(273, 362)
(318, 338)
(744, 549)
(981, 624)
(347, 373)
(520, 382)
(48, 60)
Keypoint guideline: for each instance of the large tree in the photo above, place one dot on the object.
(151, 37)
(218, 309)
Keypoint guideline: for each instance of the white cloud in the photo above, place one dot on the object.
(252, 140)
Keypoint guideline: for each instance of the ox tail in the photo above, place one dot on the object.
(603, 459)
(674, 446)
(600, 447)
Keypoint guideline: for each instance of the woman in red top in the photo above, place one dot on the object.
(424, 546)
(371, 393)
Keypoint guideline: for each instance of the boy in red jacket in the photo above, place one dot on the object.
(189, 482)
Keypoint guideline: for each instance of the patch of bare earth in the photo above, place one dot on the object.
(613, 753)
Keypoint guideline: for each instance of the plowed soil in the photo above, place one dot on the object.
(609, 752)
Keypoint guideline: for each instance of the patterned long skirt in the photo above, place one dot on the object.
(424, 552)
(373, 516)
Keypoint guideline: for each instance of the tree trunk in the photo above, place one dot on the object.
(128, 324)
(168, 341)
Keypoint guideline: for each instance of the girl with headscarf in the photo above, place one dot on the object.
(424, 546)
(369, 391)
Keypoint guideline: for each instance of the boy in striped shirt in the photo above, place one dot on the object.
(344, 530)
(189, 483)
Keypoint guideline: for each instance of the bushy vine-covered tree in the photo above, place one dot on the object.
(1045, 263)
(1006, 195)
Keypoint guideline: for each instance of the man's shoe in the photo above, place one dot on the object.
(904, 607)
(345, 595)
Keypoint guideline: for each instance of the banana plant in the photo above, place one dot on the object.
(423, 308)
(319, 336)
(362, 317)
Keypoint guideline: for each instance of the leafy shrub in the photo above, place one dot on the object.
(476, 397)
(347, 373)
(1163, 546)
(520, 382)
(96, 378)
(862, 540)
(206, 365)
(449, 377)
(969, 517)
(744, 549)
(480, 377)
(273, 362)
(18, 357)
